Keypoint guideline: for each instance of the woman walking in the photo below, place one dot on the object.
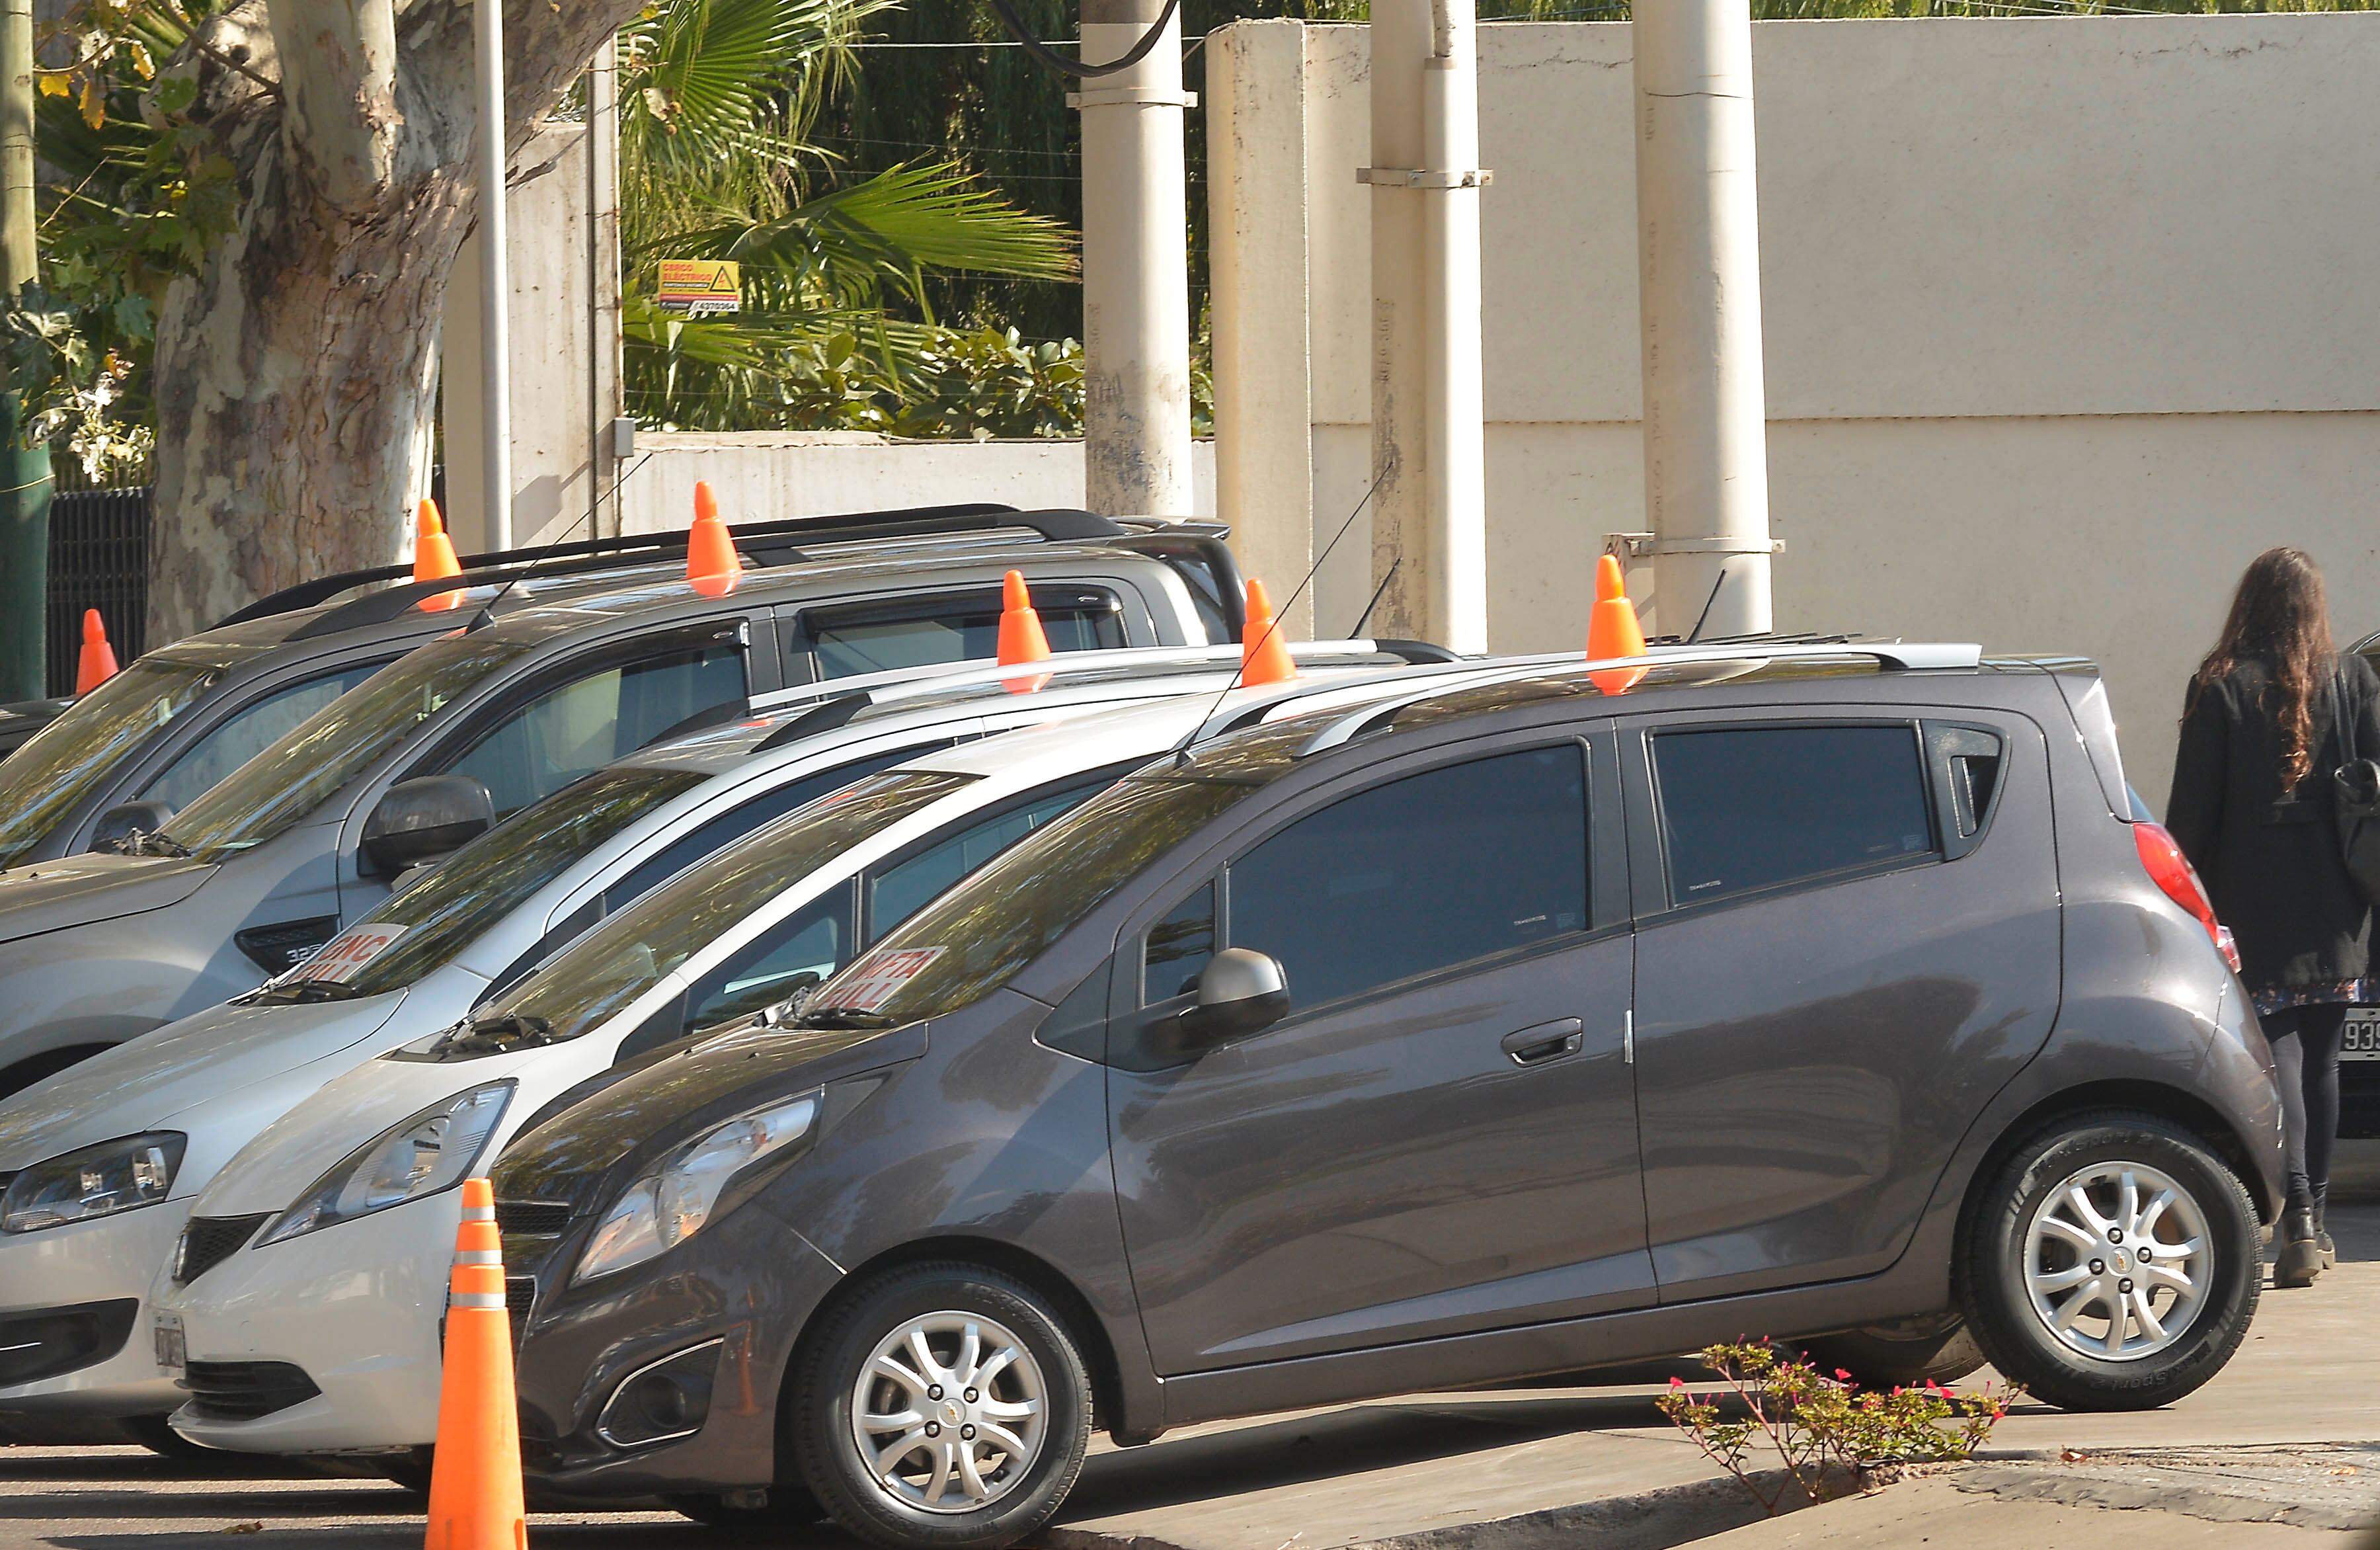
(2251, 808)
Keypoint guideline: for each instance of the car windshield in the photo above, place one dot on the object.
(96, 736)
(974, 938)
(579, 987)
(292, 778)
(422, 928)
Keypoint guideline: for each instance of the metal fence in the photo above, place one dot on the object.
(99, 558)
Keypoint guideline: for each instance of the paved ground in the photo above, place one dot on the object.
(2269, 1455)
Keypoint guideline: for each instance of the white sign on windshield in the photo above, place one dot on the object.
(342, 957)
(873, 983)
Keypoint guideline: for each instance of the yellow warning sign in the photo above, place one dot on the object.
(696, 287)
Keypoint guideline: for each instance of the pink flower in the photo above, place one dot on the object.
(1844, 1374)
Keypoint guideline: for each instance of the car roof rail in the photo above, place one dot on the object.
(1889, 657)
(775, 542)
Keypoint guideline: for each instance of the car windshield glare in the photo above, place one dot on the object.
(291, 778)
(974, 938)
(602, 971)
(60, 763)
(472, 890)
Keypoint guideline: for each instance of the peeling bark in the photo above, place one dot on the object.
(294, 371)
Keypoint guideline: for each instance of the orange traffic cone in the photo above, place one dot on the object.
(97, 663)
(711, 563)
(433, 557)
(1021, 639)
(1264, 651)
(475, 1477)
(1612, 630)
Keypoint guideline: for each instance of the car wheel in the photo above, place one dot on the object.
(2110, 1263)
(152, 1433)
(789, 1508)
(942, 1407)
(409, 1470)
(1892, 1356)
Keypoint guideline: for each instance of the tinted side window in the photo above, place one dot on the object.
(584, 725)
(1758, 807)
(844, 641)
(1178, 947)
(798, 951)
(1423, 873)
(902, 889)
(248, 732)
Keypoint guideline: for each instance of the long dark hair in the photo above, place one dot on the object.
(2282, 617)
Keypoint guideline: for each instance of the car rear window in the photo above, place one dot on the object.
(1749, 808)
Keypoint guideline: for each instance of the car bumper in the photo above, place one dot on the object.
(102, 1360)
(749, 1283)
(354, 1308)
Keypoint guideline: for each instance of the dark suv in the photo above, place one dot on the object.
(1473, 1034)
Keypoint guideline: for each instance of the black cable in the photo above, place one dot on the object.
(1075, 68)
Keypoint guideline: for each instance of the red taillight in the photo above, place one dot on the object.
(2172, 871)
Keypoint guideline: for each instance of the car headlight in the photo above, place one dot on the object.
(416, 1157)
(96, 1181)
(665, 1208)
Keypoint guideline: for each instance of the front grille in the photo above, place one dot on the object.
(50, 1342)
(246, 1390)
(210, 1241)
(532, 1218)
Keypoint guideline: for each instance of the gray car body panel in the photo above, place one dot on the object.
(966, 1137)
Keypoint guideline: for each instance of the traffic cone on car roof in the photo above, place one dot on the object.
(711, 563)
(1612, 630)
(433, 556)
(1021, 639)
(474, 1476)
(1264, 651)
(97, 663)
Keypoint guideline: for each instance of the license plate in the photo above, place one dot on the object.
(173, 1350)
(2362, 1039)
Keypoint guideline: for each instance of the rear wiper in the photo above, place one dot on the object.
(842, 1017)
(500, 1035)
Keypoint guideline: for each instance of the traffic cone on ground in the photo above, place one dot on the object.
(474, 1476)
(1264, 651)
(97, 663)
(1612, 630)
(1021, 639)
(711, 563)
(433, 557)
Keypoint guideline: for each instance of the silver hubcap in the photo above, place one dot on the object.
(2116, 1262)
(950, 1412)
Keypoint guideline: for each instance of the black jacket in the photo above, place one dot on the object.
(2269, 858)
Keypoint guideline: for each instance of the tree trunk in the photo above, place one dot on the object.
(295, 373)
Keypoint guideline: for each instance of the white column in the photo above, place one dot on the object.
(495, 365)
(1136, 268)
(1429, 512)
(1698, 268)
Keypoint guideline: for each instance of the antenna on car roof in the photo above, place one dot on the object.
(487, 614)
(1181, 748)
(1377, 592)
(1703, 618)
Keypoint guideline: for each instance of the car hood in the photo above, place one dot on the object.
(77, 890)
(144, 1084)
(651, 1106)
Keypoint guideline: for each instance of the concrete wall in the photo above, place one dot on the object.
(2066, 319)
(764, 475)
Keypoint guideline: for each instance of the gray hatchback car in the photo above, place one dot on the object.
(1481, 1033)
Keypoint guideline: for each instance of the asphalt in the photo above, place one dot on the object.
(2283, 1448)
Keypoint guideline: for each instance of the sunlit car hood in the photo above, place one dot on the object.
(77, 890)
(655, 1104)
(143, 1083)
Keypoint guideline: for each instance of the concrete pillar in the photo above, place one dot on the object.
(1699, 271)
(1136, 268)
(1264, 397)
(1429, 509)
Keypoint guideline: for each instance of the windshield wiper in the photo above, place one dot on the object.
(139, 843)
(304, 991)
(501, 1035)
(842, 1017)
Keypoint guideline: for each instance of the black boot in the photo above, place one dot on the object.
(2301, 1259)
(2322, 1239)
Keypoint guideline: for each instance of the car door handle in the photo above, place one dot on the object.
(1547, 1040)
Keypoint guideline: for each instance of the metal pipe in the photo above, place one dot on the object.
(1136, 268)
(496, 271)
(18, 257)
(1698, 271)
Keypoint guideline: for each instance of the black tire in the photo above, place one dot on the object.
(827, 1372)
(410, 1469)
(152, 1433)
(1992, 1273)
(789, 1510)
(1891, 1358)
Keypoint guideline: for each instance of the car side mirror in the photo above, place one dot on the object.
(123, 821)
(1241, 992)
(425, 819)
